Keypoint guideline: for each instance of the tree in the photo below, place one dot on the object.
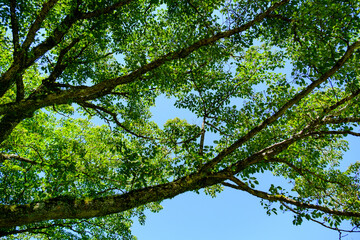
(64, 177)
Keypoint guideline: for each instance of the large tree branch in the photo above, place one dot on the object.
(106, 87)
(11, 119)
(72, 208)
(20, 92)
(16, 46)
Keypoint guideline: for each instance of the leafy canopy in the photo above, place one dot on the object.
(66, 63)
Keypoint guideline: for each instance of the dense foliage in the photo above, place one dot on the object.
(65, 63)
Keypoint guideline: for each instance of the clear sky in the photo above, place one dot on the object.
(232, 215)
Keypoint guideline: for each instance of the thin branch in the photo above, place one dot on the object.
(36, 229)
(95, 59)
(343, 100)
(338, 120)
(335, 133)
(65, 85)
(302, 170)
(276, 148)
(217, 129)
(281, 17)
(115, 119)
(63, 28)
(65, 50)
(206, 23)
(123, 94)
(316, 221)
(109, 189)
(190, 139)
(281, 198)
(64, 115)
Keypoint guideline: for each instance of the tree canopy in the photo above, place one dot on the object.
(65, 63)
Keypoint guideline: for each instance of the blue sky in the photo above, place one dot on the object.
(233, 214)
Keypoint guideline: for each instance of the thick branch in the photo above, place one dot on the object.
(72, 208)
(9, 121)
(106, 87)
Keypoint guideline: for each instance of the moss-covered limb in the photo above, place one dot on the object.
(73, 208)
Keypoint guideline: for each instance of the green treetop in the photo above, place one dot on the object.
(62, 177)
